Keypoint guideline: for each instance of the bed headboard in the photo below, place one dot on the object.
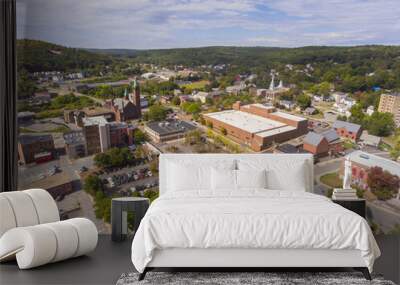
(167, 157)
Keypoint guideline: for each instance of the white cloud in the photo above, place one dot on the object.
(180, 23)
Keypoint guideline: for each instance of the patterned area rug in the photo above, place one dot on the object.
(244, 278)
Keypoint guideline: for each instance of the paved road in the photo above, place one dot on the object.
(385, 217)
(327, 166)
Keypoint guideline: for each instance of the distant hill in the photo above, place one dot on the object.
(34, 55)
(266, 56)
(115, 52)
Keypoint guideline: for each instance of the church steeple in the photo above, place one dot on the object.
(272, 84)
(135, 96)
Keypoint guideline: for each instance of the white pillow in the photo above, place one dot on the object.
(223, 179)
(284, 174)
(251, 178)
(185, 176)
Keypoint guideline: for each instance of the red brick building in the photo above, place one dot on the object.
(361, 162)
(257, 125)
(121, 134)
(101, 135)
(323, 144)
(56, 185)
(35, 148)
(127, 108)
(347, 130)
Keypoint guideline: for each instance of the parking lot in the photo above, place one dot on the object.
(30, 173)
(130, 179)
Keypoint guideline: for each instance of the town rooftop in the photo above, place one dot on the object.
(371, 160)
(245, 121)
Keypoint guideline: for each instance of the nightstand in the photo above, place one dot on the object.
(119, 215)
(355, 205)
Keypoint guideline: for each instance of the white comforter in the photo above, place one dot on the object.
(250, 219)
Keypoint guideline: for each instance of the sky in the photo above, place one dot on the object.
(152, 24)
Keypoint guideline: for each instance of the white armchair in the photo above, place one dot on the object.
(31, 230)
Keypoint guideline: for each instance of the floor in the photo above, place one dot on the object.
(103, 266)
(110, 260)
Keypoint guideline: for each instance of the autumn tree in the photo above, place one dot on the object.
(382, 183)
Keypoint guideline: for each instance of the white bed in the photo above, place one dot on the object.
(251, 226)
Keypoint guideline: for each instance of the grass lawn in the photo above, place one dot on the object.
(332, 180)
(60, 129)
(391, 140)
(197, 84)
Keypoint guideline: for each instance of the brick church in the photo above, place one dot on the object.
(127, 108)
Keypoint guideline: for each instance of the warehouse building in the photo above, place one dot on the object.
(257, 125)
(168, 130)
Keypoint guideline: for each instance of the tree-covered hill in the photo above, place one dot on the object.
(114, 52)
(351, 69)
(265, 55)
(34, 55)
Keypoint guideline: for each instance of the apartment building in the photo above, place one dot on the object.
(35, 148)
(390, 103)
(95, 132)
(101, 135)
(347, 130)
(75, 144)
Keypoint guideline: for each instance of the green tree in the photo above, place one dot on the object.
(321, 89)
(395, 151)
(191, 107)
(102, 160)
(176, 100)
(304, 101)
(381, 124)
(116, 157)
(139, 137)
(157, 113)
(25, 85)
(93, 184)
(193, 137)
(357, 115)
(151, 195)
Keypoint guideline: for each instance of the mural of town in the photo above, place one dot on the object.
(92, 123)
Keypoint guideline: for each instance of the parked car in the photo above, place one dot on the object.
(83, 169)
